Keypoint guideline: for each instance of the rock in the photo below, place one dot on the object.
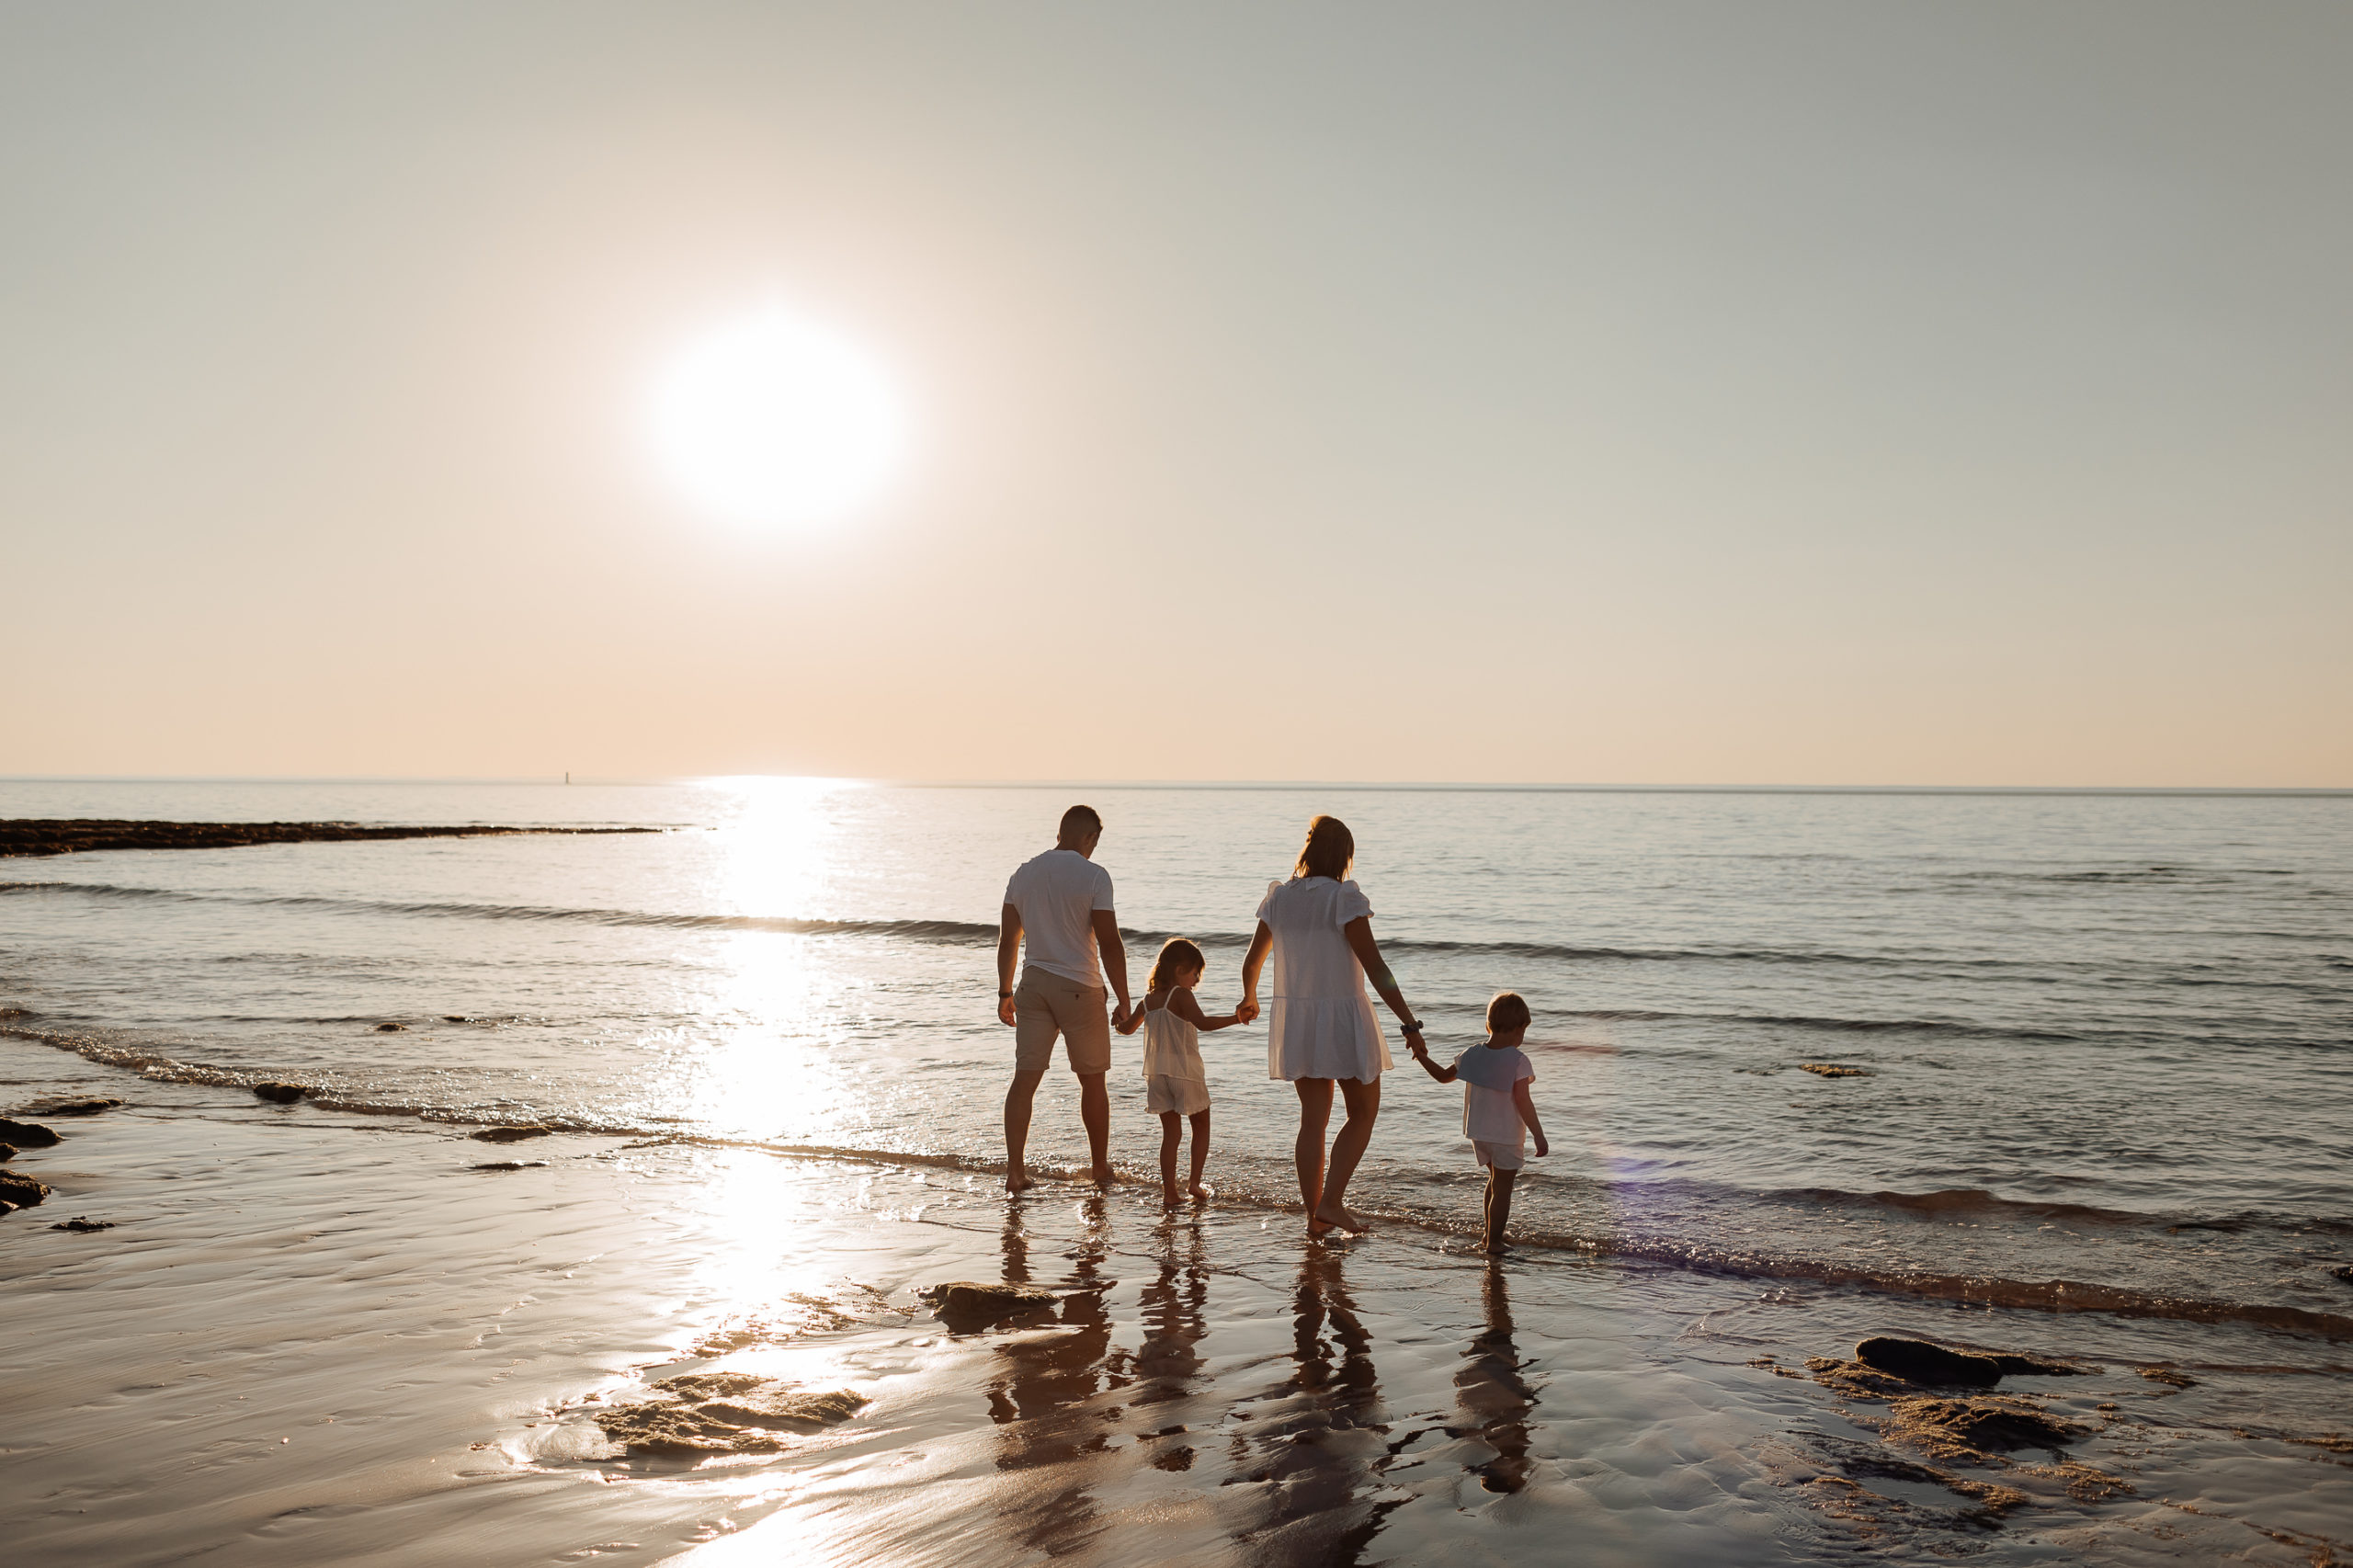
(455, 1018)
(7, 1152)
(280, 1094)
(2169, 1377)
(974, 1301)
(1967, 1429)
(71, 1105)
(21, 1191)
(1922, 1362)
(509, 1134)
(707, 1413)
(509, 1166)
(2343, 1271)
(1832, 1070)
(392, 1028)
(80, 1226)
(26, 1134)
(2035, 1366)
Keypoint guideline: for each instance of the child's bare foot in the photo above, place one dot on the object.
(1170, 1197)
(1496, 1249)
(1202, 1191)
(1018, 1180)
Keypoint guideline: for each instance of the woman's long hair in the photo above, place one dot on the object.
(1177, 955)
(1329, 851)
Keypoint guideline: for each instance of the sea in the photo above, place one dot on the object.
(2059, 1050)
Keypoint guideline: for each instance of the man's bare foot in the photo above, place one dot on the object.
(1328, 1220)
(1018, 1181)
(1201, 1191)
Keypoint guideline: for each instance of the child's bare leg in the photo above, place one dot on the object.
(1201, 1153)
(1171, 1132)
(1498, 1206)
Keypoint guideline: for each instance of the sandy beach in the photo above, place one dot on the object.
(312, 1336)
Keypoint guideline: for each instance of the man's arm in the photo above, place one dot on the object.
(1008, 949)
(1526, 1104)
(1115, 959)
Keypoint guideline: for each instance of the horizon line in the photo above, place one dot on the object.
(1239, 786)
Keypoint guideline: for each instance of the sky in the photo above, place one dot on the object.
(1654, 393)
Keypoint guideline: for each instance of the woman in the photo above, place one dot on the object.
(1322, 1029)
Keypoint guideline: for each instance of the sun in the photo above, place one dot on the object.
(776, 418)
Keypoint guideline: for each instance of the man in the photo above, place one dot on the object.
(1062, 903)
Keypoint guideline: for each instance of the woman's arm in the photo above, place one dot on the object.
(1526, 1104)
(1252, 963)
(1359, 935)
(1182, 1002)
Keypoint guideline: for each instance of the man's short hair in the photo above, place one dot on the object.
(1080, 821)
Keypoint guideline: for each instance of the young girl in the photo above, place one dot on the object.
(1175, 1085)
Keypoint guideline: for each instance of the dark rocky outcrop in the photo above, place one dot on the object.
(509, 1134)
(70, 1105)
(1966, 1431)
(709, 1412)
(971, 1303)
(2170, 1377)
(7, 1152)
(392, 1028)
(1833, 1070)
(82, 1227)
(1916, 1360)
(508, 1165)
(26, 1134)
(21, 1191)
(70, 836)
(280, 1094)
(2343, 1271)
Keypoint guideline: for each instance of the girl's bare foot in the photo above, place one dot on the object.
(1170, 1197)
(1202, 1191)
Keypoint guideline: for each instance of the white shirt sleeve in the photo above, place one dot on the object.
(1102, 888)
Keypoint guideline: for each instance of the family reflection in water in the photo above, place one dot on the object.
(1303, 1471)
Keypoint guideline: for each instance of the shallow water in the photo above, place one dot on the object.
(2107, 1037)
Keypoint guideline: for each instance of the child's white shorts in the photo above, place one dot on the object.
(1185, 1096)
(1503, 1156)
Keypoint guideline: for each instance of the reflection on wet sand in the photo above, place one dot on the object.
(1039, 1398)
(1167, 1365)
(1319, 1439)
(1495, 1398)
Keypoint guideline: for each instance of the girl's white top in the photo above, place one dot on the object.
(1320, 1022)
(1171, 1045)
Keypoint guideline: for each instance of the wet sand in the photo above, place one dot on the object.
(316, 1337)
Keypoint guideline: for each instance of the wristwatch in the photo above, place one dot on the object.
(1412, 1026)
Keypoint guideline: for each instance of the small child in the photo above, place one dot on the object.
(1496, 1110)
(1175, 1083)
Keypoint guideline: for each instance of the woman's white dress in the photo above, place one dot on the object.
(1320, 1022)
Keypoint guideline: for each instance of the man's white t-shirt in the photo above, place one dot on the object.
(1057, 895)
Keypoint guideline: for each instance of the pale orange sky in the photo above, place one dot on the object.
(1710, 393)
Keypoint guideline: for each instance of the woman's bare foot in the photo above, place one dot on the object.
(1018, 1181)
(1201, 1191)
(1496, 1249)
(1170, 1197)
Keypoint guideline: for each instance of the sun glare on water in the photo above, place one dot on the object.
(774, 418)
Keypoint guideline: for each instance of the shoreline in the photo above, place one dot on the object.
(28, 837)
(311, 1332)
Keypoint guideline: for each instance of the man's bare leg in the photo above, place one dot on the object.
(1095, 1110)
(1016, 1128)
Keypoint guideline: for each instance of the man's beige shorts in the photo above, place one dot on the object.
(1046, 1005)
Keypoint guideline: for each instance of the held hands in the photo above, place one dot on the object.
(1122, 1020)
(1246, 1010)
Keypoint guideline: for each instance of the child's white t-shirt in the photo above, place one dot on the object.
(1487, 1075)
